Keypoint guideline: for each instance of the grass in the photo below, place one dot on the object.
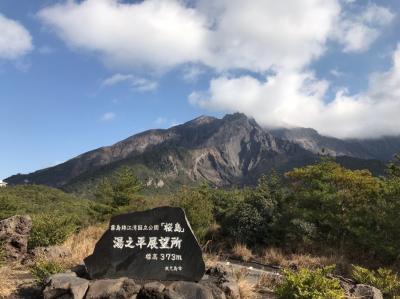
(240, 251)
(11, 276)
(269, 281)
(276, 257)
(246, 288)
(82, 243)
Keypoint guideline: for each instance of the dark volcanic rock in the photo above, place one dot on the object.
(66, 286)
(190, 290)
(14, 234)
(113, 289)
(152, 245)
(56, 252)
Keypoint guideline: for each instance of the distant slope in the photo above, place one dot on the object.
(234, 150)
(33, 199)
(383, 148)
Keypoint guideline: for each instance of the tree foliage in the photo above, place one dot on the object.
(120, 189)
(198, 207)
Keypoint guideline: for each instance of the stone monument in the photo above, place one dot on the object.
(157, 244)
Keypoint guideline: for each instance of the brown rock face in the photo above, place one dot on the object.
(14, 234)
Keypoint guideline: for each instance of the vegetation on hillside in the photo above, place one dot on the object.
(323, 209)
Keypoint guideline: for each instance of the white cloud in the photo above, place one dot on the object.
(15, 40)
(258, 35)
(357, 32)
(261, 36)
(254, 35)
(155, 33)
(192, 73)
(116, 78)
(337, 73)
(108, 116)
(140, 84)
(160, 120)
(297, 99)
(223, 34)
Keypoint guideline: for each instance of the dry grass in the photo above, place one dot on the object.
(268, 281)
(11, 276)
(241, 251)
(246, 290)
(7, 281)
(277, 257)
(274, 256)
(211, 260)
(82, 243)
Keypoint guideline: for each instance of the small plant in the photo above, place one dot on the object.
(42, 270)
(384, 279)
(310, 284)
(50, 230)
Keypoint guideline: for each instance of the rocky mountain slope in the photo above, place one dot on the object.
(382, 148)
(231, 150)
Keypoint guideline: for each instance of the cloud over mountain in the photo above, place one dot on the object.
(261, 52)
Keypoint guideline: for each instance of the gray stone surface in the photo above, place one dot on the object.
(119, 253)
(231, 289)
(366, 292)
(14, 235)
(52, 252)
(191, 290)
(113, 289)
(66, 286)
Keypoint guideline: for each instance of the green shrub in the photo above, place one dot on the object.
(384, 279)
(309, 284)
(41, 270)
(251, 220)
(198, 208)
(49, 229)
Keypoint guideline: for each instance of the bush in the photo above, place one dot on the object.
(384, 279)
(252, 219)
(309, 284)
(50, 230)
(198, 208)
(42, 270)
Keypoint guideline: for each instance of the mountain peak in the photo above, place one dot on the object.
(201, 120)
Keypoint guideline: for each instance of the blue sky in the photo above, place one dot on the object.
(77, 75)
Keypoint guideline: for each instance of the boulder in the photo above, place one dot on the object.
(53, 253)
(155, 286)
(216, 291)
(65, 286)
(191, 290)
(14, 235)
(231, 289)
(366, 292)
(113, 289)
(152, 290)
(156, 244)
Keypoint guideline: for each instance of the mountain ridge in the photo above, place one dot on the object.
(234, 150)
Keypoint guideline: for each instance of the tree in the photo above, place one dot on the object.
(351, 210)
(393, 168)
(252, 219)
(120, 189)
(198, 207)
